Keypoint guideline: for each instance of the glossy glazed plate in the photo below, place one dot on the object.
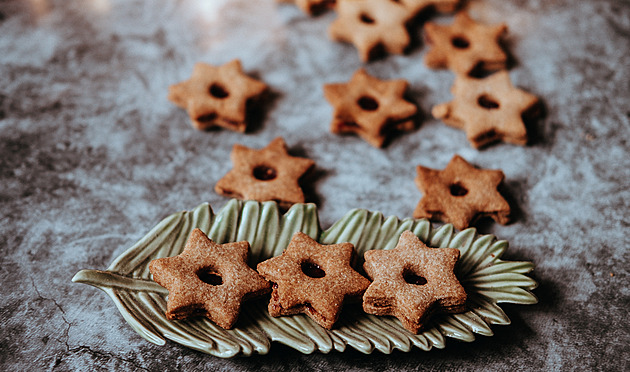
(488, 280)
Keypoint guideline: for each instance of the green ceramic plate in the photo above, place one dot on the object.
(488, 280)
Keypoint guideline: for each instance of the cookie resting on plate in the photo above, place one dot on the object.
(313, 279)
(208, 279)
(412, 281)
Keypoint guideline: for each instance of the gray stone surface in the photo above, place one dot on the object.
(92, 155)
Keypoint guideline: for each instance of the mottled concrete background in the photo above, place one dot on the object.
(92, 155)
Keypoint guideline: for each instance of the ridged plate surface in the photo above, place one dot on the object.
(488, 280)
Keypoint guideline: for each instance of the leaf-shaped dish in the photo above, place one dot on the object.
(488, 280)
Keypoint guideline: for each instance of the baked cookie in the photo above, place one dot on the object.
(465, 46)
(313, 279)
(311, 7)
(266, 174)
(412, 281)
(461, 193)
(217, 96)
(373, 26)
(488, 110)
(370, 107)
(208, 279)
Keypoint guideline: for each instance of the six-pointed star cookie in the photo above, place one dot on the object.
(312, 278)
(373, 26)
(461, 193)
(266, 174)
(412, 281)
(465, 45)
(208, 279)
(217, 96)
(370, 107)
(488, 110)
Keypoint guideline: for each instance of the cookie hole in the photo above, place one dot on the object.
(487, 102)
(413, 278)
(264, 173)
(208, 118)
(217, 91)
(210, 276)
(312, 270)
(460, 42)
(366, 19)
(458, 190)
(367, 103)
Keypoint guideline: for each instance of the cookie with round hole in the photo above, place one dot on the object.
(370, 107)
(375, 27)
(412, 282)
(266, 174)
(460, 194)
(218, 96)
(465, 46)
(208, 279)
(489, 109)
(313, 279)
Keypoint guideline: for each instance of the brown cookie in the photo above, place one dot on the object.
(217, 96)
(465, 46)
(312, 7)
(208, 279)
(266, 174)
(312, 278)
(488, 110)
(370, 107)
(461, 193)
(373, 26)
(412, 281)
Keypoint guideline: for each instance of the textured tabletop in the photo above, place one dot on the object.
(93, 155)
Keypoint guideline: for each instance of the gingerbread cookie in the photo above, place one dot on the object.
(312, 7)
(488, 110)
(373, 26)
(208, 279)
(266, 174)
(370, 107)
(312, 278)
(217, 96)
(412, 281)
(465, 46)
(461, 193)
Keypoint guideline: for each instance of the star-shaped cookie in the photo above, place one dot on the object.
(370, 107)
(217, 96)
(412, 281)
(373, 26)
(488, 110)
(465, 45)
(266, 174)
(461, 193)
(312, 278)
(208, 279)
